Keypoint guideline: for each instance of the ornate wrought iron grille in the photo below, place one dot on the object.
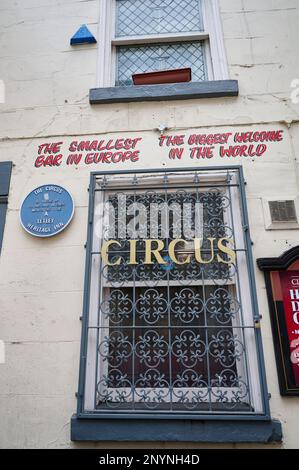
(169, 337)
(141, 17)
(138, 59)
(152, 18)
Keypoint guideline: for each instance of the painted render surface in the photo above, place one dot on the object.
(41, 281)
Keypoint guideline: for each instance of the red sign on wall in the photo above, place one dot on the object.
(290, 294)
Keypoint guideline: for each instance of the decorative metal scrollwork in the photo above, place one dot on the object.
(151, 306)
(226, 348)
(170, 335)
(115, 349)
(187, 305)
(118, 307)
(188, 348)
(151, 348)
(222, 306)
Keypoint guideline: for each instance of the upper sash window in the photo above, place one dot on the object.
(146, 36)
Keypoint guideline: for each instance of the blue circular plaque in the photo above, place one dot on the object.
(47, 210)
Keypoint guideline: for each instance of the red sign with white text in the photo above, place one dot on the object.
(290, 293)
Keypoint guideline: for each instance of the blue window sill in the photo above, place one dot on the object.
(171, 91)
(175, 430)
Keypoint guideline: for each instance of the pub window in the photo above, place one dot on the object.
(143, 35)
(170, 321)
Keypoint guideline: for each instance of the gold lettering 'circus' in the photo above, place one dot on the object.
(179, 251)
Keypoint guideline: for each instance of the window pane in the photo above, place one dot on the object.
(133, 59)
(142, 17)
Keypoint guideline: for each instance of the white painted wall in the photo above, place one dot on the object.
(41, 281)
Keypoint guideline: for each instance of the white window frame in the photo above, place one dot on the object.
(212, 36)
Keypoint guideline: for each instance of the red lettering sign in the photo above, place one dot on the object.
(290, 293)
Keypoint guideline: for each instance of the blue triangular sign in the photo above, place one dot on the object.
(83, 36)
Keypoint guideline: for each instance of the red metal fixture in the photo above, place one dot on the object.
(163, 76)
